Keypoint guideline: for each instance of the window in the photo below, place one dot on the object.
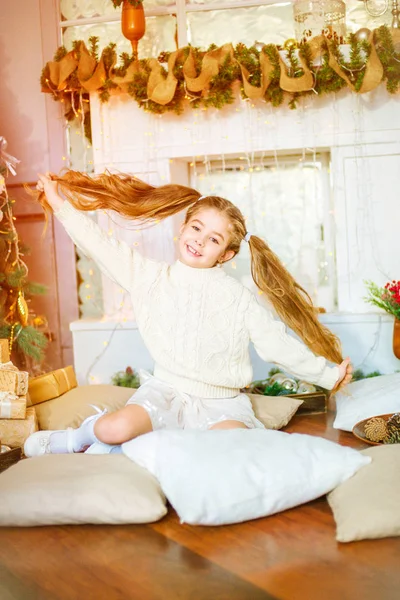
(199, 22)
(286, 201)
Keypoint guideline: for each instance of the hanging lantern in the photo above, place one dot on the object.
(319, 17)
(133, 23)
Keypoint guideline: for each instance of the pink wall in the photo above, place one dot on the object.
(33, 125)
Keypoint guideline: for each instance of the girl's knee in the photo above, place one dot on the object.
(123, 425)
(112, 429)
(229, 424)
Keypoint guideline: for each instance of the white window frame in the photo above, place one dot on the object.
(326, 293)
(180, 10)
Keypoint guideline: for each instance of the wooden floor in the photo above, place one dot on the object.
(290, 556)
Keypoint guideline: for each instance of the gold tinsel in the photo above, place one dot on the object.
(376, 429)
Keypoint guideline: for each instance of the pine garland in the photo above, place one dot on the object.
(221, 89)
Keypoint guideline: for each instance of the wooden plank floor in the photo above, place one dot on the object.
(289, 556)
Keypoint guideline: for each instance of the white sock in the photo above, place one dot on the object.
(81, 437)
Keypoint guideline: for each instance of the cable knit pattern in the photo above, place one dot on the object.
(196, 323)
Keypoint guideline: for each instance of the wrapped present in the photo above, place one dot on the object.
(51, 385)
(14, 381)
(8, 366)
(4, 350)
(12, 406)
(14, 432)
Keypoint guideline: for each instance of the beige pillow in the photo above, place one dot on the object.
(366, 506)
(274, 411)
(70, 409)
(60, 489)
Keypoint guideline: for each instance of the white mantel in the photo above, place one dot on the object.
(362, 133)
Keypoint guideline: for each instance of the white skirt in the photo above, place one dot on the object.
(170, 409)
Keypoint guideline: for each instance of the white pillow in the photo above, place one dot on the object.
(367, 398)
(220, 477)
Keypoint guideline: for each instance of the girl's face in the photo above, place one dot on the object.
(204, 239)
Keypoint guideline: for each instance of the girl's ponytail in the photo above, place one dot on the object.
(124, 194)
(291, 301)
(138, 200)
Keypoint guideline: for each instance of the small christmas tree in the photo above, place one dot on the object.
(25, 331)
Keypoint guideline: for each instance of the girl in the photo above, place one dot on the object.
(196, 321)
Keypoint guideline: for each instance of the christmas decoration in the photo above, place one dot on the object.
(14, 432)
(128, 378)
(133, 23)
(383, 429)
(207, 78)
(393, 438)
(387, 298)
(375, 429)
(313, 17)
(280, 384)
(15, 319)
(290, 44)
(362, 34)
(52, 385)
(393, 424)
(117, 3)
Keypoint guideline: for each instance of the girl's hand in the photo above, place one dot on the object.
(49, 187)
(345, 374)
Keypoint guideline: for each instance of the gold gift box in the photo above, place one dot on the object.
(14, 381)
(14, 432)
(12, 406)
(4, 350)
(51, 385)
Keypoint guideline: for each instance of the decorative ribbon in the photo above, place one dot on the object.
(6, 159)
(253, 92)
(161, 87)
(209, 68)
(91, 74)
(6, 400)
(373, 69)
(296, 84)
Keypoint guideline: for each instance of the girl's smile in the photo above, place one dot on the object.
(204, 239)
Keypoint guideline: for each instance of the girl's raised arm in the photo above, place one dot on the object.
(115, 259)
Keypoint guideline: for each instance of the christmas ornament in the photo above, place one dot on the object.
(305, 388)
(290, 44)
(40, 321)
(375, 429)
(288, 383)
(362, 34)
(22, 309)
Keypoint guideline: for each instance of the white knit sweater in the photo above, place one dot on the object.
(196, 323)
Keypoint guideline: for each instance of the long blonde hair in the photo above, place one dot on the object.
(136, 199)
